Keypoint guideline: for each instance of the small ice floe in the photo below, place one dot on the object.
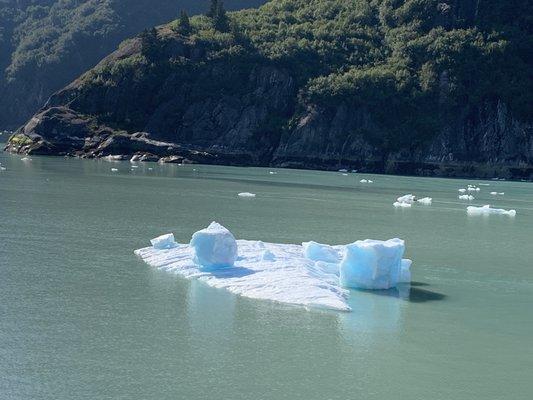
(486, 210)
(497, 193)
(246, 194)
(462, 190)
(344, 174)
(425, 200)
(150, 169)
(343, 170)
(408, 198)
(399, 204)
(135, 158)
(25, 159)
(366, 181)
(164, 242)
(311, 275)
(114, 169)
(483, 184)
(2, 168)
(135, 166)
(272, 172)
(466, 197)
(472, 188)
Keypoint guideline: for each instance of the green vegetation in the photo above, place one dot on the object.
(409, 63)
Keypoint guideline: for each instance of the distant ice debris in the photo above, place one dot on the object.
(135, 166)
(366, 181)
(374, 264)
(343, 170)
(113, 158)
(425, 200)
(472, 188)
(25, 159)
(272, 172)
(399, 204)
(497, 193)
(2, 168)
(408, 198)
(486, 210)
(214, 247)
(344, 174)
(462, 190)
(466, 197)
(164, 242)
(114, 170)
(311, 275)
(246, 194)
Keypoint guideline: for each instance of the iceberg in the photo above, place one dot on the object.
(310, 275)
(320, 252)
(486, 210)
(164, 242)
(246, 194)
(374, 264)
(408, 198)
(214, 247)
(466, 197)
(401, 205)
(425, 200)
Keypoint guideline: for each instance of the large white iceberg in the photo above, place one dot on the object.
(311, 274)
(214, 247)
(486, 210)
(374, 264)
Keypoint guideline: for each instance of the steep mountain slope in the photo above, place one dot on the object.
(44, 44)
(417, 86)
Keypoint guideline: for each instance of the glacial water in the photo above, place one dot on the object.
(82, 318)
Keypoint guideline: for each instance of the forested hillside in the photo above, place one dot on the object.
(416, 86)
(44, 44)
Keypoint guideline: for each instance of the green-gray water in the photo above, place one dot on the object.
(82, 318)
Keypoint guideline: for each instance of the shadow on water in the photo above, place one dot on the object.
(412, 293)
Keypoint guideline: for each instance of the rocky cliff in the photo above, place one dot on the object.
(222, 98)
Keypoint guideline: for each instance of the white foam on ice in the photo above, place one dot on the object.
(307, 275)
(486, 210)
(425, 200)
(246, 194)
(466, 197)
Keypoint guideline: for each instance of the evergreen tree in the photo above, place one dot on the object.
(218, 16)
(184, 25)
(150, 44)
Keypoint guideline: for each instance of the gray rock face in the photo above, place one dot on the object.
(250, 113)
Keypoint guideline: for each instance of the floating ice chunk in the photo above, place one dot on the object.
(425, 200)
(135, 166)
(113, 158)
(135, 158)
(114, 170)
(373, 264)
(272, 172)
(320, 252)
(246, 194)
(471, 188)
(401, 205)
(343, 170)
(2, 168)
(214, 247)
(370, 181)
(405, 271)
(408, 198)
(363, 181)
(268, 256)
(497, 193)
(466, 197)
(150, 169)
(344, 174)
(25, 159)
(483, 184)
(462, 190)
(486, 210)
(164, 242)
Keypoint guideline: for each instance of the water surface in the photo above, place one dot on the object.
(81, 317)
